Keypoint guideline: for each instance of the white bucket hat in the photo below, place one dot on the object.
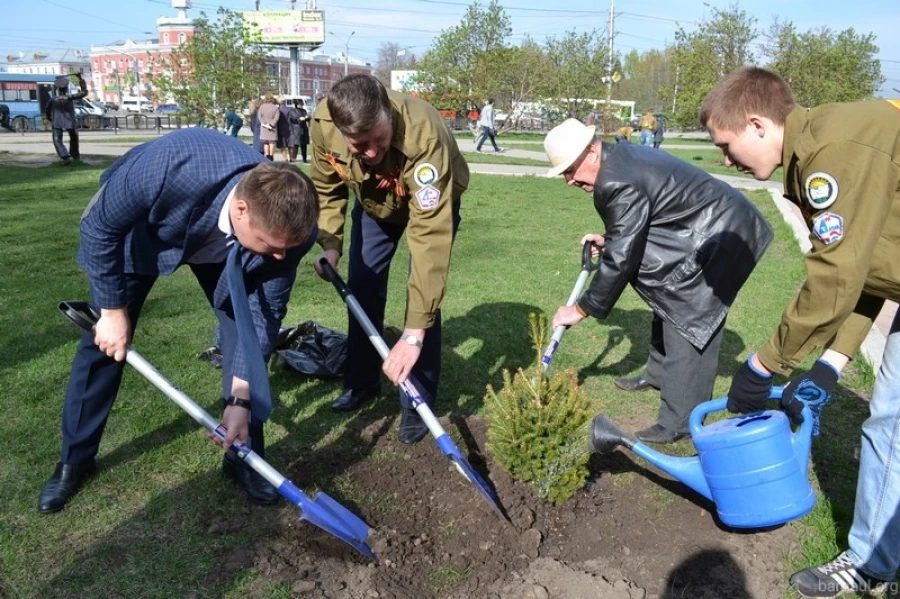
(565, 143)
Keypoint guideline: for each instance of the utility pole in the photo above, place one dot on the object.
(675, 91)
(609, 72)
(295, 63)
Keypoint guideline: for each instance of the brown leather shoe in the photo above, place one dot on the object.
(63, 485)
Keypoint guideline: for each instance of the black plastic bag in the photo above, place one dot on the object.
(308, 348)
(313, 350)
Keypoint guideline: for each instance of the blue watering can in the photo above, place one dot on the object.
(753, 467)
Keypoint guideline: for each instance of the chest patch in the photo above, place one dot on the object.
(425, 174)
(428, 197)
(828, 227)
(821, 190)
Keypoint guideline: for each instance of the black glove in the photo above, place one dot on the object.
(813, 388)
(749, 390)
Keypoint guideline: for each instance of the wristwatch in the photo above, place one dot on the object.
(231, 400)
(412, 340)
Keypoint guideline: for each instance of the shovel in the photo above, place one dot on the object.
(321, 511)
(587, 266)
(410, 387)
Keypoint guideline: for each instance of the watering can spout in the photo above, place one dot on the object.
(686, 470)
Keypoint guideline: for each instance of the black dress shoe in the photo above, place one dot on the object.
(638, 383)
(659, 434)
(412, 428)
(353, 398)
(62, 486)
(258, 489)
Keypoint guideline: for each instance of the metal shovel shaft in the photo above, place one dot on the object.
(558, 332)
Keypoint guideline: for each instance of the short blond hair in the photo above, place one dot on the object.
(749, 90)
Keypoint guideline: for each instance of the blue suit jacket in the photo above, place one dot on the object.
(160, 202)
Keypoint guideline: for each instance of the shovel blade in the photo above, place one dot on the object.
(330, 516)
(449, 449)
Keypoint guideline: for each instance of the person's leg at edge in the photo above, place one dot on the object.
(875, 536)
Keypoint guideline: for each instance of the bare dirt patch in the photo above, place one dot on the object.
(629, 534)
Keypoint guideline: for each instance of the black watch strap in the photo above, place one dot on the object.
(231, 400)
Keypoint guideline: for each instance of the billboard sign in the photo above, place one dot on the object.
(289, 26)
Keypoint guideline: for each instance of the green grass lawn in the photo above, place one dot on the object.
(144, 526)
(490, 157)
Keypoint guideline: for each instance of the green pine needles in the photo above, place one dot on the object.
(538, 426)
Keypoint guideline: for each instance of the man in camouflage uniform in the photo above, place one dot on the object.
(395, 154)
(842, 168)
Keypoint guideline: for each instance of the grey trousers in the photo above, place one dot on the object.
(683, 374)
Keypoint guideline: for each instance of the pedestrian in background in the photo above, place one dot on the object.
(284, 129)
(486, 121)
(623, 134)
(299, 120)
(658, 133)
(233, 123)
(269, 115)
(255, 126)
(647, 125)
(61, 114)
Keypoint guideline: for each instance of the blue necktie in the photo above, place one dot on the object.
(260, 395)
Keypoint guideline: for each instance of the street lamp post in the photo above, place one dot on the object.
(347, 53)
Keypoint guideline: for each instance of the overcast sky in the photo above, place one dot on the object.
(29, 25)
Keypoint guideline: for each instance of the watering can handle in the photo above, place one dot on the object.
(717, 405)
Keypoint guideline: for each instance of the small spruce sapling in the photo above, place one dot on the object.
(538, 426)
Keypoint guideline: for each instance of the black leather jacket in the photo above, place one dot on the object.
(684, 240)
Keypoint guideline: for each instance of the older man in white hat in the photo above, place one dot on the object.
(685, 241)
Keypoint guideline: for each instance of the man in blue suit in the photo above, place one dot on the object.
(183, 199)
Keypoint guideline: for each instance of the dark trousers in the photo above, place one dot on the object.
(373, 244)
(487, 132)
(684, 374)
(95, 377)
(73, 151)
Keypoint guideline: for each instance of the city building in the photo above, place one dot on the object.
(51, 62)
(128, 68)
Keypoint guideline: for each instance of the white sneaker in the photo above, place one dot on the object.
(477, 151)
(499, 150)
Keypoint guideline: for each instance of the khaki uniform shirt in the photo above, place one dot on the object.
(420, 179)
(648, 123)
(842, 168)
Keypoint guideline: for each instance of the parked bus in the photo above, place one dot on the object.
(26, 96)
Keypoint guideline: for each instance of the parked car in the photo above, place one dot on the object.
(85, 108)
(111, 106)
(168, 109)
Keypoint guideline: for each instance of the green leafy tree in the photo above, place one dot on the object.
(513, 76)
(450, 69)
(718, 46)
(823, 65)
(221, 66)
(578, 62)
(538, 426)
(644, 76)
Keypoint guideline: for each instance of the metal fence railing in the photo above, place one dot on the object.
(113, 124)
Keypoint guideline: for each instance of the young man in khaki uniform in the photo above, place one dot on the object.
(395, 154)
(842, 168)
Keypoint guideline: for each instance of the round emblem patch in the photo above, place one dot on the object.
(425, 174)
(821, 190)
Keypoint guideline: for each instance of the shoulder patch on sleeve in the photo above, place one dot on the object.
(828, 227)
(821, 190)
(425, 173)
(428, 197)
